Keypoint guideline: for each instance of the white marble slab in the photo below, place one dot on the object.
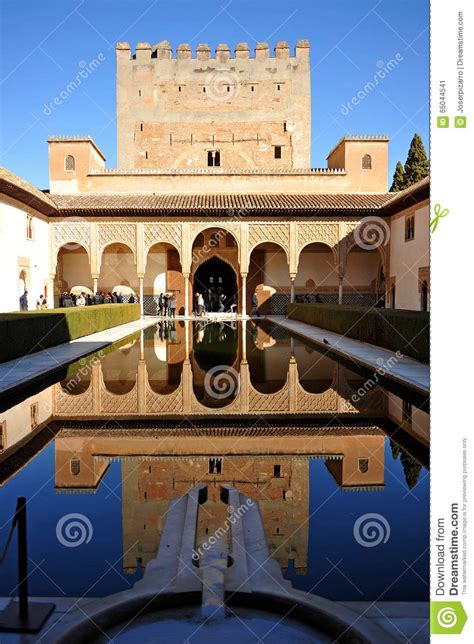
(404, 370)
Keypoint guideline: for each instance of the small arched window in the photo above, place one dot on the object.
(69, 163)
(75, 465)
(366, 162)
(363, 465)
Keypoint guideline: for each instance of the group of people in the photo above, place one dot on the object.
(213, 301)
(310, 298)
(41, 302)
(167, 305)
(86, 299)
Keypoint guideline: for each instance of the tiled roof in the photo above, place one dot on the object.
(19, 189)
(241, 204)
(414, 194)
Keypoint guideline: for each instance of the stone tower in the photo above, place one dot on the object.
(226, 111)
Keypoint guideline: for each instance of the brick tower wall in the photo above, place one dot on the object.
(173, 111)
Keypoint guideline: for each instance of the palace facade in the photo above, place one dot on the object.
(214, 187)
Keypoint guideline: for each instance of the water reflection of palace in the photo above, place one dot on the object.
(168, 372)
(159, 465)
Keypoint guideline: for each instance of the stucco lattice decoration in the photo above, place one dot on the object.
(72, 233)
(271, 232)
(314, 233)
(119, 404)
(269, 403)
(229, 226)
(117, 233)
(164, 404)
(232, 408)
(323, 402)
(162, 233)
(77, 405)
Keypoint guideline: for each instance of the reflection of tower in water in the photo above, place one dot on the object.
(279, 483)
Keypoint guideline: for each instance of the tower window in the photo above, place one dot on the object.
(228, 88)
(409, 228)
(213, 158)
(146, 154)
(179, 88)
(277, 471)
(366, 162)
(75, 466)
(406, 411)
(141, 127)
(29, 227)
(3, 434)
(284, 126)
(252, 89)
(139, 92)
(278, 88)
(69, 163)
(277, 151)
(204, 90)
(34, 415)
(363, 465)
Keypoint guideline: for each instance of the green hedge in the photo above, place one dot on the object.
(394, 329)
(28, 331)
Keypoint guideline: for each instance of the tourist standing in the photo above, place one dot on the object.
(131, 299)
(200, 304)
(254, 310)
(39, 303)
(172, 306)
(24, 301)
(221, 303)
(161, 304)
(81, 300)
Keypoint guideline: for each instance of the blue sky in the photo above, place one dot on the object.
(44, 44)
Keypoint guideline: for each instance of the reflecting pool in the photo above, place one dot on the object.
(338, 465)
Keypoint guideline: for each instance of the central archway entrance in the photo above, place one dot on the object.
(215, 278)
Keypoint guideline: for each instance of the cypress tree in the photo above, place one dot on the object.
(417, 166)
(399, 178)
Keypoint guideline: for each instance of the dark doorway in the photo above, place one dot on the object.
(216, 281)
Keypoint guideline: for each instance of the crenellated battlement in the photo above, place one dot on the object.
(146, 53)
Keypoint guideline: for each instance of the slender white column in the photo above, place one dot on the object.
(292, 291)
(95, 279)
(186, 294)
(140, 279)
(244, 295)
(340, 289)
